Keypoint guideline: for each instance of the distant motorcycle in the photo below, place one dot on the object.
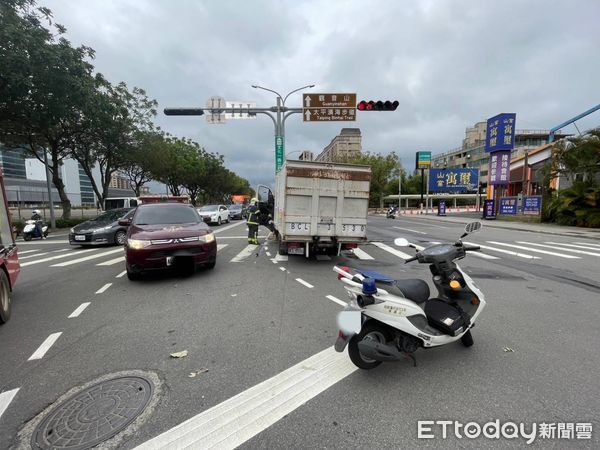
(30, 230)
(391, 213)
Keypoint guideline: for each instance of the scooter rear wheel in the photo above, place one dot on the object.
(371, 331)
(27, 237)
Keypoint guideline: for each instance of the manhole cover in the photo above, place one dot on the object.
(93, 415)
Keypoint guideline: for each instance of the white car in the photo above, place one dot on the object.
(214, 213)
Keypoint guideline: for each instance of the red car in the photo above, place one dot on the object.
(167, 235)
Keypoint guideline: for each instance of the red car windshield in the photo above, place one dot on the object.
(166, 215)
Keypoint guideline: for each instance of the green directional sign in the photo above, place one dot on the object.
(278, 153)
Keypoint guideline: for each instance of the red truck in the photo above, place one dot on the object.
(9, 259)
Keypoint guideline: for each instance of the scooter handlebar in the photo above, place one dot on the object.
(414, 258)
(471, 248)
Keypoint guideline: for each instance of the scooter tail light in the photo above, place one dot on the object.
(475, 301)
(345, 269)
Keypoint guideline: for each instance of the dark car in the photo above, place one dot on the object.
(237, 211)
(104, 229)
(168, 235)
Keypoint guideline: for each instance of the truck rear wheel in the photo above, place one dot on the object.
(5, 306)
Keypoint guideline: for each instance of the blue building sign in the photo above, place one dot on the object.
(489, 210)
(532, 205)
(441, 208)
(453, 180)
(500, 132)
(508, 206)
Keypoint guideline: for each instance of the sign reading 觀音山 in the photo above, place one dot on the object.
(500, 132)
(453, 180)
(499, 169)
(328, 107)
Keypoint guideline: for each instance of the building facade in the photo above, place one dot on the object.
(343, 148)
(472, 153)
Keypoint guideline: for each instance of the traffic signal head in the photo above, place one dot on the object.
(377, 105)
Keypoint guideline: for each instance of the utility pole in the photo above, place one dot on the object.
(49, 188)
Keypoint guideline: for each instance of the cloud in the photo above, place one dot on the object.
(449, 64)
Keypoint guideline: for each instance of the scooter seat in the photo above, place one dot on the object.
(413, 289)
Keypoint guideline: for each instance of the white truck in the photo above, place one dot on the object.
(318, 207)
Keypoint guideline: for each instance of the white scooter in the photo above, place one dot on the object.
(388, 319)
(30, 231)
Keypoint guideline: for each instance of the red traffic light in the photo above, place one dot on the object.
(377, 105)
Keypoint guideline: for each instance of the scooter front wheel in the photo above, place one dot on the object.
(27, 237)
(371, 331)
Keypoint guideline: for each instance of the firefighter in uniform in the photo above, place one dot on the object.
(253, 221)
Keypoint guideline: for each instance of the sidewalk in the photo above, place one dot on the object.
(545, 228)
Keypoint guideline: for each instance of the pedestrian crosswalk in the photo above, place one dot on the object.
(240, 252)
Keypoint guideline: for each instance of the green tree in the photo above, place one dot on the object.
(44, 83)
(143, 147)
(384, 168)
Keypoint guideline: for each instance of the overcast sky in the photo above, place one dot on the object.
(449, 64)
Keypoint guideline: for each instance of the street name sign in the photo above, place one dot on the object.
(329, 107)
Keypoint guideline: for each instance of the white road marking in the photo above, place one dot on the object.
(281, 258)
(301, 281)
(245, 253)
(42, 349)
(240, 237)
(408, 229)
(221, 229)
(6, 398)
(425, 224)
(45, 242)
(32, 256)
(87, 258)
(27, 251)
(51, 258)
(79, 310)
(268, 254)
(110, 262)
(560, 255)
(588, 243)
(336, 300)
(501, 250)
(567, 249)
(323, 258)
(121, 274)
(103, 288)
(235, 421)
(282, 269)
(221, 247)
(391, 250)
(361, 254)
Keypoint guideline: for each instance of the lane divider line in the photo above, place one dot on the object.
(110, 262)
(236, 420)
(301, 281)
(560, 255)
(121, 274)
(33, 256)
(336, 300)
(408, 229)
(501, 250)
(282, 269)
(562, 249)
(6, 398)
(42, 349)
(52, 258)
(391, 250)
(79, 310)
(577, 246)
(103, 288)
(22, 252)
(86, 258)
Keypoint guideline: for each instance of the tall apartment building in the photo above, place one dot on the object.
(472, 152)
(342, 148)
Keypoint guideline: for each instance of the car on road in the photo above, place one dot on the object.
(237, 211)
(168, 236)
(104, 229)
(214, 213)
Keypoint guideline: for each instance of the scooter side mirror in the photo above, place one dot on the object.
(473, 227)
(401, 242)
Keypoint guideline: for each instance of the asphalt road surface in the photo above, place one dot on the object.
(260, 371)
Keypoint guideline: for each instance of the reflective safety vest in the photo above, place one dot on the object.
(253, 216)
